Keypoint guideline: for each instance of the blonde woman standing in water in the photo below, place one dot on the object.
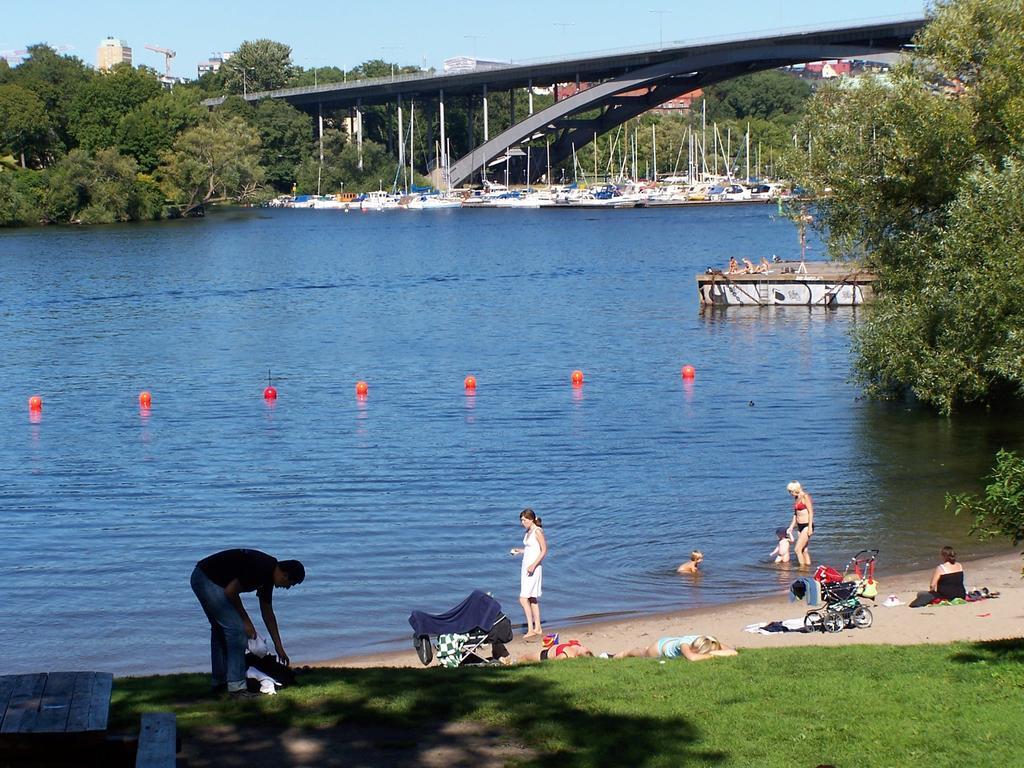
(534, 550)
(803, 521)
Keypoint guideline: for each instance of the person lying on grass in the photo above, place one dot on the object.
(690, 647)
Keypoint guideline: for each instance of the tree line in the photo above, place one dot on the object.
(81, 146)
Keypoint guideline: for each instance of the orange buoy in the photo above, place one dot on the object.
(35, 403)
(577, 378)
(688, 372)
(362, 388)
(145, 399)
(470, 382)
(270, 393)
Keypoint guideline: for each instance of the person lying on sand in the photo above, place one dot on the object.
(690, 647)
(569, 650)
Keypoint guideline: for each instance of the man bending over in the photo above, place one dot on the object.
(218, 581)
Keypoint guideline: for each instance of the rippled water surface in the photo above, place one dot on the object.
(410, 499)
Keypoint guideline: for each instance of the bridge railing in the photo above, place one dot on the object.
(581, 56)
(717, 40)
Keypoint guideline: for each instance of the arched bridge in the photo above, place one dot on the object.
(625, 84)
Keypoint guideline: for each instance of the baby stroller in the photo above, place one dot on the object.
(840, 593)
(459, 633)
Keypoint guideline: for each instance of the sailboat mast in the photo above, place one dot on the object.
(654, 152)
(549, 163)
(401, 141)
(748, 153)
(704, 136)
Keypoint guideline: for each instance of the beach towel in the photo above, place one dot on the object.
(775, 627)
(974, 596)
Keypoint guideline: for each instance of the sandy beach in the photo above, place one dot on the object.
(900, 625)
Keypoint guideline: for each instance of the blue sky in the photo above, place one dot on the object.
(347, 32)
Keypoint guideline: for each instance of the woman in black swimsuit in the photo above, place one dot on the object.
(803, 521)
(947, 581)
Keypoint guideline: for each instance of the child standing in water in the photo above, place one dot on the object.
(781, 551)
(534, 550)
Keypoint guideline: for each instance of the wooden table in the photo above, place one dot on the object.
(46, 715)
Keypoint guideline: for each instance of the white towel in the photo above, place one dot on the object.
(268, 685)
(257, 646)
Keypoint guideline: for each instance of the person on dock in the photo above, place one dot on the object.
(693, 564)
(534, 550)
(689, 647)
(734, 266)
(748, 266)
(764, 267)
(218, 582)
(781, 551)
(803, 521)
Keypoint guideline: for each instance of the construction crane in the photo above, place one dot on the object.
(168, 55)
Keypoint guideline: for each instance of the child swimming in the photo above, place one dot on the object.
(696, 558)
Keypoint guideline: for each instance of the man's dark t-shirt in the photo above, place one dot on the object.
(253, 569)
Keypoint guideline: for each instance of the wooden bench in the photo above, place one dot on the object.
(158, 741)
(49, 716)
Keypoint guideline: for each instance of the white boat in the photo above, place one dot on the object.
(765, 191)
(673, 194)
(425, 202)
(730, 193)
(328, 202)
(527, 199)
(378, 200)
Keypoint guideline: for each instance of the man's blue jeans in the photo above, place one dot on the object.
(227, 632)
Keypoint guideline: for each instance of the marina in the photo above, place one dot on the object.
(638, 194)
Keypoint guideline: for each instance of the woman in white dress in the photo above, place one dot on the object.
(534, 549)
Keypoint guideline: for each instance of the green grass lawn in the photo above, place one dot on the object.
(944, 705)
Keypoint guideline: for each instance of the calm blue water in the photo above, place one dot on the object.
(410, 499)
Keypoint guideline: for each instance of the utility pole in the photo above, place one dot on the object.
(661, 36)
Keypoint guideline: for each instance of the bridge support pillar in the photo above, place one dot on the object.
(529, 92)
(401, 136)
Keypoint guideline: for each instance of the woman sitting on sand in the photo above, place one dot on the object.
(692, 647)
(570, 650)
(947, 581)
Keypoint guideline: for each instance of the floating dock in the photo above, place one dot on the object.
(789, 283)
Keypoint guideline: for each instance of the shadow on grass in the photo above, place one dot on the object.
(1011, 649)
(478, 717)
